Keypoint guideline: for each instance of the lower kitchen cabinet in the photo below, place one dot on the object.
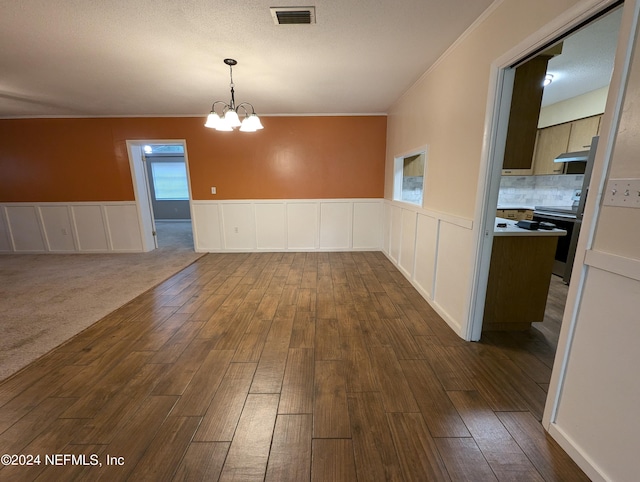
(519, 279)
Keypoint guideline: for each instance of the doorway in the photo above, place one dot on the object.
(541, 340)
(163, 193)
(571, 101)
(168, 183)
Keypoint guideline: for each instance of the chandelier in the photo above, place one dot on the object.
(228, 118)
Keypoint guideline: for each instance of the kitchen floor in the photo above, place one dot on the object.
(556, 301)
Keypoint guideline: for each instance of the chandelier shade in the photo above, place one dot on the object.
(227, 117)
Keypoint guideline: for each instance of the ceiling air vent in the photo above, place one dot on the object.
(293, 15)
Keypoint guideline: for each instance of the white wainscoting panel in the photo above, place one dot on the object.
(288, 225)
(90, 228)
(123, 227)
(395, 237)
(58, 228)
(239, 227)
(386, 235)
(432, 250)
(603, 369)
(271, 232)
(426, 254)
(263, 225)
(336, 222)
(5, 239)
(367, 223)
(453, 271)
(302, 225)
(407, 243)
(95, 227)
(26, 230)
(207, 232)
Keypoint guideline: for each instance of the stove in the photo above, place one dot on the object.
(569, 212)
(564, 217)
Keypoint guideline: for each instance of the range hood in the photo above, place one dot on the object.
(572, 156)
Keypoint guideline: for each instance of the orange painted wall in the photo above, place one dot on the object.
(74, 160)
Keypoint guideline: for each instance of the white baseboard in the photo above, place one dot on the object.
(573, 450)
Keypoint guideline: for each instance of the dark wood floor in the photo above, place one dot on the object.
(283, 367)
(556, 301)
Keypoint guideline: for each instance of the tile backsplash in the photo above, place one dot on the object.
(539, 190)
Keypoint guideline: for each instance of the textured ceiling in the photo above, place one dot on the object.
(164, 57)
(586, 62)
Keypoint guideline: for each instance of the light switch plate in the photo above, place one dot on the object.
(213, 190)
(622, 193)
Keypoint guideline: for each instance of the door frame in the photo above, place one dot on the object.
(502, 73)
(498, 106)
(140, 179)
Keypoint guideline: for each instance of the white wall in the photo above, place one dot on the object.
(446, 108)
(287, 225)
(595, 400)
(69, 227)
(449, 109)
(585, 105)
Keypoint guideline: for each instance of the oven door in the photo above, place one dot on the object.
(571, 255)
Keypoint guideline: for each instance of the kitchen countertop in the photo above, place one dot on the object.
(513, 230)
(514, 206)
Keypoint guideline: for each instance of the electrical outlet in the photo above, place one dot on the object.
(622, 193)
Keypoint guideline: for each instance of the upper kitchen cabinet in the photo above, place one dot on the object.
(552, 141)
(582, 132)
(523, 116)
(555, 140)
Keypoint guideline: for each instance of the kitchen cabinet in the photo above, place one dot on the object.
(551, 142)
(519, 277)
(568, 137)
(515, 214)
(523, 116)
(582, 132)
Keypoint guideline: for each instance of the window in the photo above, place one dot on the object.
(170, 181)
(409, 178)
(164, 149)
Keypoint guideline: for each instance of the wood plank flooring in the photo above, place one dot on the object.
(554, 311)
(283, 367)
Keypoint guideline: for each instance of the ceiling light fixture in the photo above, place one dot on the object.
(228, 118)
(547, 79)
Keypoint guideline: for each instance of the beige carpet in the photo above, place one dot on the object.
(45, 299)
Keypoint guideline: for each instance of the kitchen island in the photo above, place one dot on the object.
(519, 276)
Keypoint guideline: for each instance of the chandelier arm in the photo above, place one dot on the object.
(246, 111)
(226, 106)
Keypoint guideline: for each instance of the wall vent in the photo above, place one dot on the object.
(293, 15)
